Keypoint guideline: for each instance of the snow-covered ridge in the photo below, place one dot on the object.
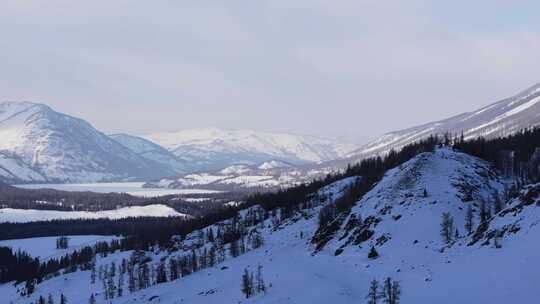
(152, 151)
(25, 216)
(499, 119)
(41, 145)
(214, 148)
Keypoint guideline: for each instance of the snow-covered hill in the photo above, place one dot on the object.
(268, 175)
(152, 151)
(213, 148)
(400, 217)
(414, 196)
(499, 119)
(39, 144)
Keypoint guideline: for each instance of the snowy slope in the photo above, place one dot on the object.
(214, 148)
(411, 251)
(45, 247)
(25, 216)
(57, 147)
(453, 181)
(499, 119)
(151, 151)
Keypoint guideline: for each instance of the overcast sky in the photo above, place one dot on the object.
(334, 67)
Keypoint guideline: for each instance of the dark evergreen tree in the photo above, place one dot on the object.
(93, 273)
(391, 292)
(373, 254)
(173, 269)
(469, 220)
(120, 287)
(161, 276)
(260, 286)
(447, 228)
(247, 284)
(373, 295)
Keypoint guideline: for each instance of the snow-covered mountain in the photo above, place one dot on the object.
(214, 148)
(152, 151)
(400, 218)
(499, 119)
(39, 144)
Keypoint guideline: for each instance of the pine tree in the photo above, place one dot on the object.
(391, 292)
(373, 254)
(220, 252)
(498, 203)
(120, 289)
(112, 271)
(484, 213)
(447, 227)
(50, 299)
(131, 278)
(373, 295)
(234, 249)
(92, 299)
(469, 220)
(111, 288)
(161, 273)
(104, 281)
(173, 269)
(41, 300)
(93, 273)
(63, 299)
(30, 287)
(261, 287)
(247, 284)
(203, 259)
(194, 261)
(212, 256)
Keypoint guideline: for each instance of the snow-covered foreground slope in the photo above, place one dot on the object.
(39, 144)
(24, 216)
(499, 119)
(213, 148)
(399, 219)
(45, 247)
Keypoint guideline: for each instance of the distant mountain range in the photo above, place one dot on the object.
(41, 145)
(496, 120)
(214, 148)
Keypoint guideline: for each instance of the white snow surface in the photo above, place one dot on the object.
(132, 188)
(45, 247)
(30, 215)
(429, 271)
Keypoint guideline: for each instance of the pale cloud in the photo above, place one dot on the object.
(308, 66)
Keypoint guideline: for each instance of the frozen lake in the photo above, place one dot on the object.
(133, 188)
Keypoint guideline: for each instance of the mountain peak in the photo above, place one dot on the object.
(499, 119)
